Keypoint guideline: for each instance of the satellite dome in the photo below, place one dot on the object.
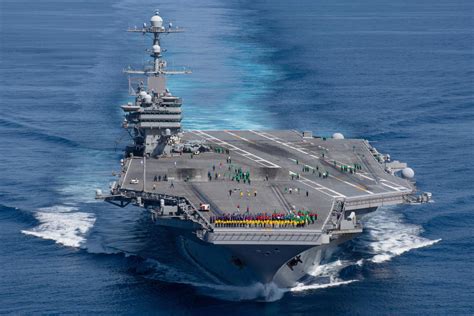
(156, 21)
(408, 173)
(156, 49)
(337, 136)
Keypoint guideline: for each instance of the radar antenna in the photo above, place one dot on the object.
(159, 64)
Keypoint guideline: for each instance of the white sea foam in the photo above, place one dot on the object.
(330, 269)
(317, 286)
(388, 236)
(258, 291)
(63, 224)
(267, 292)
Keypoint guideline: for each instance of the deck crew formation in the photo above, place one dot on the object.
(265, 220)
(246, 205)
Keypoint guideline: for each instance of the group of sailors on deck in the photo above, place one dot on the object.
(264, 220)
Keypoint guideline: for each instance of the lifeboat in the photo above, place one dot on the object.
(130, 108)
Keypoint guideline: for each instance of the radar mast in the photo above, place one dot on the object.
(154, 120)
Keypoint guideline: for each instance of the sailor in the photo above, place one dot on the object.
(155, 178)
(172, 184)
(230, 192)
(255, 193)
(307, 193)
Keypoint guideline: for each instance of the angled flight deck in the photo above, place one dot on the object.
(287, 172)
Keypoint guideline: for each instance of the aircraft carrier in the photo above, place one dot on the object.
(247, 206)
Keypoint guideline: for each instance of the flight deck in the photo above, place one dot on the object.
(253, 172)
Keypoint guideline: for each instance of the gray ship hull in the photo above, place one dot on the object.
(245, 264)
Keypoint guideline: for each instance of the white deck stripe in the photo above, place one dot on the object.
(239, 151)
(348, 183)
(353, 185)
(401, 187)
(238, 136)
(319, 190)
(362, 175)
(280, 141)
(277, 140)
(389, 186)
(320, 187)
(126, 172)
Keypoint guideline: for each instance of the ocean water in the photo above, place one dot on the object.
(398, 73)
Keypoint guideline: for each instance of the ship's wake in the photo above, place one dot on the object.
(386, 236)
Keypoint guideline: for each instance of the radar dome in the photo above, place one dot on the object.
(337, 136)
(156, 21)
(156, 49)
(147, 98)
(408, 173)
(142, 94)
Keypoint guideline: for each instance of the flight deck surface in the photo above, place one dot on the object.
(286, 172)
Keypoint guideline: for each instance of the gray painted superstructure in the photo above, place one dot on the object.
(188, 179)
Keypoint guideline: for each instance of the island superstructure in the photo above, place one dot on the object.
(248, 206)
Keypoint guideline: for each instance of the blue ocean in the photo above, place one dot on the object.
(398, 73)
